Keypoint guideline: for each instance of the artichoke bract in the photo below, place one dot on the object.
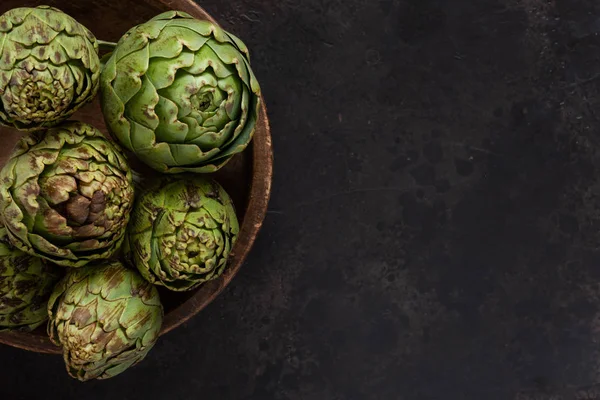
(179, 93)
(49, 67)
(26, 283)
(181, 232)
(66, 196)
(106, 318)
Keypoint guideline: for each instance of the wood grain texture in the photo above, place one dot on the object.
(247, 178)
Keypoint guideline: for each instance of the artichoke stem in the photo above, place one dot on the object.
(107, 45)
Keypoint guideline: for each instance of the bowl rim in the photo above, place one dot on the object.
(258, 200)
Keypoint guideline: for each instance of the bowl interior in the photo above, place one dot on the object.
(246, 177)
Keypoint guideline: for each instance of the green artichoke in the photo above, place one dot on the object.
(26, 283)
(182, 232)
(106, 318)
(179, 93)
(49, 67)
(66, 196)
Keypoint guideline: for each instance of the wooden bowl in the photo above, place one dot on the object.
(247, 177)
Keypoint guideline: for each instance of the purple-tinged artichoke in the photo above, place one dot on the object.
(66, 196)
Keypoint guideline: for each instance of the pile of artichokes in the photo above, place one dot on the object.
(84, 245)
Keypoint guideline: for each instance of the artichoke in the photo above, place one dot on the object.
(182, 232)
(66, 197)
(106, 317)
(26, 283)
(179, 93)
(49, 67)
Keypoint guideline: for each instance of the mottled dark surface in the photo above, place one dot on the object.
(434, 230)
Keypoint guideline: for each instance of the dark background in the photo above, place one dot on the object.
(434, 228)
